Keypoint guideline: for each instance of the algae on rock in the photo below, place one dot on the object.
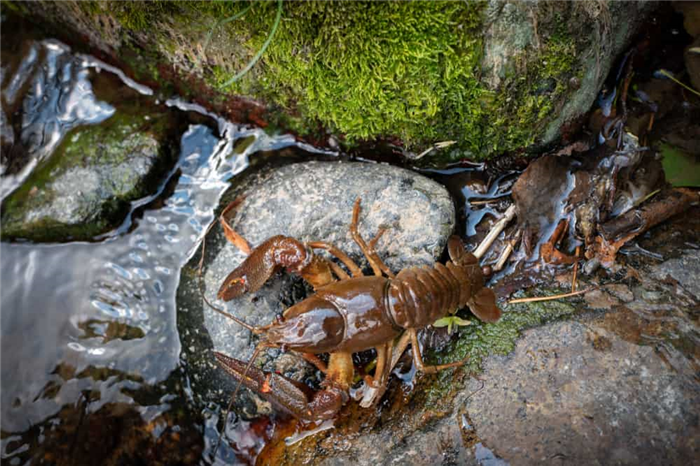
(86, 187)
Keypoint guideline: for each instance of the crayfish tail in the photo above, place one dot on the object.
(483, 305)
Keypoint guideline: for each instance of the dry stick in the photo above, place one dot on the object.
(550, 298)
(505, 254)
(485, 201)
(495, 231)
(573, 279)
(507, 251)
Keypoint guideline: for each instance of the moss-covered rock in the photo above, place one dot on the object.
(86, 187)
(494, 76)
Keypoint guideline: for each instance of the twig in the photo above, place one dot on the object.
(495, 231)
(505, 254)
(507, 251)
(550, 298)
(485, 201)
(437, 145)
(224, 21)
(262, 49)
(672, 78)
(573, 279)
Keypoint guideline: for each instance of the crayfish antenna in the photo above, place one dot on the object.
(204, 297)
(257, 351)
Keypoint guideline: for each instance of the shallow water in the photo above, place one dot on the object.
(97, 321)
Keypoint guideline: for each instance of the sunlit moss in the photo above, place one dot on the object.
(13, 6)
(529, 97)
(363, 70)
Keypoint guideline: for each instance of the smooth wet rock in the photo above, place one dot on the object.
(309, 201)
(48, 94)
(87, 186)
(580, 394)
(684, 269)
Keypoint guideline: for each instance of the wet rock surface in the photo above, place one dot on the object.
(572, 393)
(308, 201)
(576, 392)
(86, 188)
(617, 384)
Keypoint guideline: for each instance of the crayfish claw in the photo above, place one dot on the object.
(285, 394)
(269, 257)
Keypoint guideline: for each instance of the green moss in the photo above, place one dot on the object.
(367, 69)
(13, 6)
(529, 97)
(479, 340)
(405, 70)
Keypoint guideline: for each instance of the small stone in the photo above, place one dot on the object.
(620, 291)
(598, 299)
(87, 185)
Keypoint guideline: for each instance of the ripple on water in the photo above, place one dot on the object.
(100, 317)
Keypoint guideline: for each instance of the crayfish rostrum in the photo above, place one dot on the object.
(348, 314)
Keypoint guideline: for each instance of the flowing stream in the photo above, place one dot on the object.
(92, 324)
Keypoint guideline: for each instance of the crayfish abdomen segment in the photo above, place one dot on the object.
(421, 295)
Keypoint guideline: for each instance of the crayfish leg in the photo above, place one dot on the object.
(376, 387)
(418, 358)
(341, 256)
(378, 266)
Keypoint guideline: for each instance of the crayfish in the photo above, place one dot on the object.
(348, 314)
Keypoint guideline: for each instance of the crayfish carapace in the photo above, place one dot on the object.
(349, 314)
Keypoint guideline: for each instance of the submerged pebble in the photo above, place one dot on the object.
(85, 189)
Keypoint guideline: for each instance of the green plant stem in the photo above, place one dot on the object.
(672, 78)
(262, 49)
(224, 21)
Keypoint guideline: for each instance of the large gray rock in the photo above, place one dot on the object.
(572, 392)
(309, 201)
(581, 394)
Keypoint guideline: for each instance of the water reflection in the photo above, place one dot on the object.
(88, 329)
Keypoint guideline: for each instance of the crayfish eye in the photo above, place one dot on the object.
(236, 281)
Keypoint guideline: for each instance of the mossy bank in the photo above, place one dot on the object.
(494, 76)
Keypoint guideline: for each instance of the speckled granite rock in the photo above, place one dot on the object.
(309, 201)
